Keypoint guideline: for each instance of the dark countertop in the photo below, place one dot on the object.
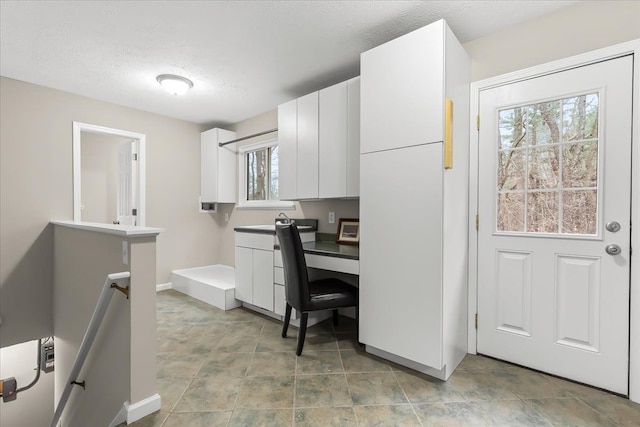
(330, 249)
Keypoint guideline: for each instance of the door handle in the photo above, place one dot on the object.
(613, 249)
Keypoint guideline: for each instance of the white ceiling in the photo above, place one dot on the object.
(244, 57)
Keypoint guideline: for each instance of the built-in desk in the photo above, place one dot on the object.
(259, 274)
(327, 256)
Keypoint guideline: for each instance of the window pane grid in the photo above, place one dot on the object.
(547, 177)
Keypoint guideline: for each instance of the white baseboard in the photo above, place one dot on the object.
(121, 417)
(163, 287)
(142, 408)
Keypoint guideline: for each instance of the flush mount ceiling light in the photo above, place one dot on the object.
(174, 84)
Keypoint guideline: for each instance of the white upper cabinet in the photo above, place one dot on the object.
(288, 150)
(218, 167)
(340, 140)
(319, 144)
(308, 146)
(403, 85)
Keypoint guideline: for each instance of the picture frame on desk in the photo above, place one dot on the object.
(348, 231)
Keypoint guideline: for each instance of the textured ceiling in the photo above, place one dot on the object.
(244, 57)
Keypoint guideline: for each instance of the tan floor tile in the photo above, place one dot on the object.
(528, 384)
(252, 329)
(569, 412)
(277, 343)
(421, 388)
(511, 413)
(322, 390)
(319, 342)
(231, 364)
(236, 344)
(210, 394)
(360, 361)
(316, 362)
(269, 392)
(473, 362)
(375, 388)
(386, 416)
(621, 410)
(478, 385)
(178, 365)
(198, 419)
(348, 341)
(170, 391)
(261, 417)
(153, 420)
(325, 417)
(272, 363)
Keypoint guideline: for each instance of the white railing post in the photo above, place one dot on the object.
(94, 324)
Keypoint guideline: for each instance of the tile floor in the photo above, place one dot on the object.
(218, 368)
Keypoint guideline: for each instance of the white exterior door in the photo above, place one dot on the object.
(127, 183)
(554, 180)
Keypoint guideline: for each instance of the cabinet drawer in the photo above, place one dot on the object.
(255, 241)
(278, 275)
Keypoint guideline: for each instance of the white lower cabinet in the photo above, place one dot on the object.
(254, 269)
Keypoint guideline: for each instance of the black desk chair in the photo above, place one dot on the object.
(306, 296)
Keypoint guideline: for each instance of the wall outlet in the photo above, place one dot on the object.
(332, 217)
(226, 217)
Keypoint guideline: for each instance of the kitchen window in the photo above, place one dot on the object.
(259, 176)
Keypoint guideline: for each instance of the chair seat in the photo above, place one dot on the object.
(329, 294)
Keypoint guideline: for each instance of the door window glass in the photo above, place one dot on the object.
(547, 178)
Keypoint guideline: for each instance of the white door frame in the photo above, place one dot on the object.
(630, 47)
(78, 128)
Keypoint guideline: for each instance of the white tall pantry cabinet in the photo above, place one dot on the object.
(413, 211)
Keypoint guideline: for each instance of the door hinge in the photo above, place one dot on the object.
(476, 320)
(478, 122)
(135, 156)
(134, 212)
(477, 223)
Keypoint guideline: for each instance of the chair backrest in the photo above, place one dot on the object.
(296, 280)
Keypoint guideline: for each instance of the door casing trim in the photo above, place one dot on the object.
(628, 48)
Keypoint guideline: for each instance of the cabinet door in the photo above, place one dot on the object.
(353, 137)
(402, 84)
(308, 146)
(401, 252)
(287, 150)
(209, 166)
(333, 141)
(244, 274)
(263, 279)
(226, 168)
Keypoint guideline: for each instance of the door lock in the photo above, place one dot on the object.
(613, 226)
(613, 249)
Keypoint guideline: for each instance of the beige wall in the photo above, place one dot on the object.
(99, 175)
(585, 26)
(36, 186)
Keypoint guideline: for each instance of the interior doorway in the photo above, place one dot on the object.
(108, 175)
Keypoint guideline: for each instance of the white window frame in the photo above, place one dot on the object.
(243, 203)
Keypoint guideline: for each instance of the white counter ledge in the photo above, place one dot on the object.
(115, 229)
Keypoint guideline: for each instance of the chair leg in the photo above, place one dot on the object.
(287, 318)
(335, 317)
(302, 332)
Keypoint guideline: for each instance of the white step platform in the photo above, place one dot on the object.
(213, 284)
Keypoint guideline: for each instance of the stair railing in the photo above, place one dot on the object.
(110, 284)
